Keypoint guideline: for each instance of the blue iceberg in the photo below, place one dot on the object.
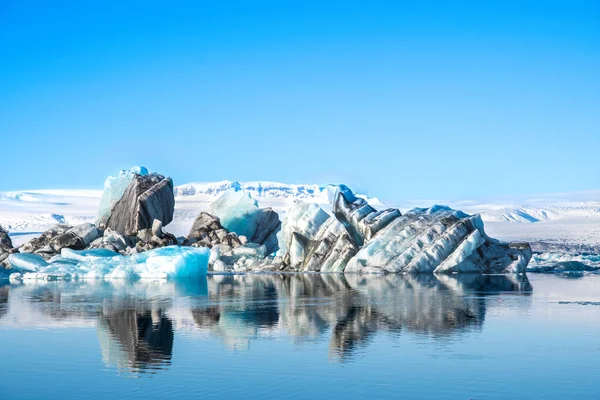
(163, 263)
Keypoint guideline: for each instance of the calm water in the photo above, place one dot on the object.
(304, 337)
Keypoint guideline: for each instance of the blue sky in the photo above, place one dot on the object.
(420, 99)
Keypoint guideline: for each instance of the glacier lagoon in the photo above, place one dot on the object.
(304, 336)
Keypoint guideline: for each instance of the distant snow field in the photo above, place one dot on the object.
(569, 218)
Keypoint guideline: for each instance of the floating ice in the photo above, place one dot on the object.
(27, 261)
(115, 186)
(163, 263)
(87, 255)
(564, 267)
(555, 261)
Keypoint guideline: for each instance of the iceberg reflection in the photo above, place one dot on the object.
(137, 322)
(353, 307)
(135, 339)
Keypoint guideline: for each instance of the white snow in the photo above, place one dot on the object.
(39, 210)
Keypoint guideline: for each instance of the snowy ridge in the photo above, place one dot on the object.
(532, 214)
(256, 189)
(584, 205)
(38, 210)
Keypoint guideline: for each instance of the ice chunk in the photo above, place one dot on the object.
(166, 262)
(360, 219)
(333, 191)
(114, 187)
(139, 170)
(172, 262)
(437, 239)
(311, 240)
(27, 261)
(87, 255)
(302, 218)
(564, 267)
(238, 212)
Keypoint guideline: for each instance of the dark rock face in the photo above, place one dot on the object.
(148, 239)
(267, 226)
(43, 241)
(6, 248)
(53, 240)
(5, 242)
(113, 240)
(206, 231)
(148, 197)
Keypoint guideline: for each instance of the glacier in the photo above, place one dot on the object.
(169, 262)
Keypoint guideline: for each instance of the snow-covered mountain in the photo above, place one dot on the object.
(532, 214)
(37, 210)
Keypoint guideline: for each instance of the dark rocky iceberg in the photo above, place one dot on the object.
(148, 197)
(360, 239)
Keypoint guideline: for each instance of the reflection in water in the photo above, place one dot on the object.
(135, 339)
(3, 299)
(353, 307)
(136, 322)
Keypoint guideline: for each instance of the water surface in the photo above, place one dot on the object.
(304, 337)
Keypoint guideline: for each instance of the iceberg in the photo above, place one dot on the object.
(360, 219)
(360, 239)
(114, 188)
(27, 262)
(163, 263)
(565, 267)
(132, 200)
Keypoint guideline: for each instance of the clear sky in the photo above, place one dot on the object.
(419, 99)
